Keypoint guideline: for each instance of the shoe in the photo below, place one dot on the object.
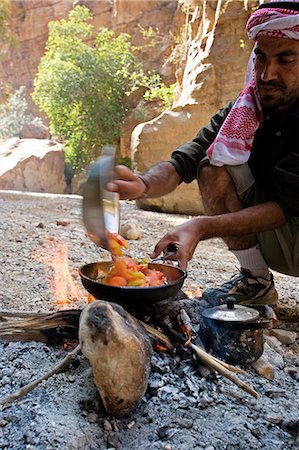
(246, 289)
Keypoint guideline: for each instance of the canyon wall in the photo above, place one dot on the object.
(209, 66)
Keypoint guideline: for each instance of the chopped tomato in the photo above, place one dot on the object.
(116, 242)
(127, 272)
(116, 281)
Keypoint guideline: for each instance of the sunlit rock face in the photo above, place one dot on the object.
(29, 24)
(212, 73)
(35, 165)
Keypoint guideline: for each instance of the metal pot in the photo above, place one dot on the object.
(128, 294)
(235, 332)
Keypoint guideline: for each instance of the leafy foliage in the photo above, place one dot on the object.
(7, 37)
(13, 115)
(157, 90)
(82, 88)
(4, 16)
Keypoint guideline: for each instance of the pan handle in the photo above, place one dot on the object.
(163, 260)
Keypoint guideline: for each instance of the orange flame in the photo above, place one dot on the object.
(66, 289)
(159, 347)
(193, 291)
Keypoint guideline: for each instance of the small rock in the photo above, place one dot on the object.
(275, 393)
(293, 372)
(62, 223)
(40, 225)
(166, 447)
(107, 425)
(256, 432)
(72, 378)
(130, 229)
(92, 418)
(274, 419)
(275, 358)
(34, 129)
(284, 336)
(263, 367)
(274, 343)
(131, 424)
(166, 432)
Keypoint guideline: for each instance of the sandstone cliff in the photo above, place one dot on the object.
(209, 67)
(213, 73)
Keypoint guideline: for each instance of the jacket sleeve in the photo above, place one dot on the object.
(186, 157)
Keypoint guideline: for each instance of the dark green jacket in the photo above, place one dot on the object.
(274, 160)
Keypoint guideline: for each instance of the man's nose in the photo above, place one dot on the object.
(270, 71)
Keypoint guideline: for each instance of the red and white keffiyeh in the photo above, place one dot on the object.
(233, 142)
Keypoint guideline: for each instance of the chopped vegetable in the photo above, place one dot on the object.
(116, 242)
(126, 271)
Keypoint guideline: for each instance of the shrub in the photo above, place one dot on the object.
(82, 88)
(13, 115)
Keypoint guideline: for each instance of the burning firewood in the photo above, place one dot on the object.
(119, 351)
(53, 327)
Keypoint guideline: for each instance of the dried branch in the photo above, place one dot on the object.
(220, 368)
(65, 362)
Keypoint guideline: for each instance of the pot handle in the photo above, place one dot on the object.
(268, 312)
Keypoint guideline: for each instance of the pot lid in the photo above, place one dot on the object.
(237, 313)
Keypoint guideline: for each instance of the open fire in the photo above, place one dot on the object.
(63, 280)
(102, 324)
(180, 409)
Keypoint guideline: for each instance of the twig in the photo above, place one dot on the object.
(211, 361)
(157, 335)
(65, 362)
(228, 366)
(220, 368)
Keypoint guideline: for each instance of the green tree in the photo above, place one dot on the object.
(82, 88)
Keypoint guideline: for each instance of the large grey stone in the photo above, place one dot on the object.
(35, 165)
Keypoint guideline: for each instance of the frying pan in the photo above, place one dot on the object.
(131, 294)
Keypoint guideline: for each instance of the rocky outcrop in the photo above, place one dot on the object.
(29, 24)
(35, 165)
(210, 68)
(214, 73)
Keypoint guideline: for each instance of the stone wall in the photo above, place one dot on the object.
(214, 73)
(29, 23)
(209, 72)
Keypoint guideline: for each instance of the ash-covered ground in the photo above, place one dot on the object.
(41, 237)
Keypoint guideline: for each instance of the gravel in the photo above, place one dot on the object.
(181, 409)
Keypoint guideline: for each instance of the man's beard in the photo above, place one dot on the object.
(275, 95)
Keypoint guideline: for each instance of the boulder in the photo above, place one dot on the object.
(34, 130)
(35, 165)
(119, 351)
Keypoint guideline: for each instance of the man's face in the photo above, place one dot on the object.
(277, 72)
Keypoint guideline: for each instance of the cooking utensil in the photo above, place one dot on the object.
(101, 207)
(234, 332)
(131, 294)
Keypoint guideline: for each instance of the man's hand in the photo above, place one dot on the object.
(180, 243)
(127, 184)
(159, 179)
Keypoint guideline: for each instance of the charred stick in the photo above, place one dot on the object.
(212, 362)
(185, 322)
(220, 368)
(157, 335)
(186, 326)
(65, 362)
